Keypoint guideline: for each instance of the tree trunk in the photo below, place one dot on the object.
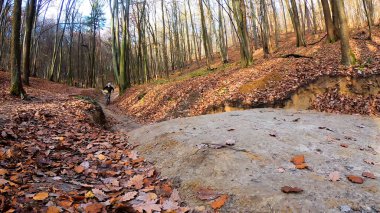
(328, 22)
(254, 25)
(16, 83)
(265, 32)
(368, 14)
(205, 35)
(276, 25)
(222, 40)
(315, 25)
(348, 57)
(283, 12)
(335, 18)
(241, 20)
(31, 8)
(296, 23)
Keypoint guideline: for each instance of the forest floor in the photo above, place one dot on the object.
(318, 82)
(58, 153)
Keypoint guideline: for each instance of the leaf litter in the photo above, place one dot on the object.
(55, 158)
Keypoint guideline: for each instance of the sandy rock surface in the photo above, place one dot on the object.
(256, 163)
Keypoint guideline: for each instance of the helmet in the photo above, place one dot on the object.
(109, 84)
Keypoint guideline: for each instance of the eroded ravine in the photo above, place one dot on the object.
(304, 97)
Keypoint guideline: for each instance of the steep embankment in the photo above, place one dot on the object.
(269, 82)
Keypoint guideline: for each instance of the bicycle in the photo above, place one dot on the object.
(107, 96)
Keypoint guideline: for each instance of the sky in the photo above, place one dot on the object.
(84, 9)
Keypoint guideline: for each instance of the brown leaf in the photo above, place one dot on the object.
(369, 175)
(79, 169)
(289, 189)
(175, 195)
(219, 202)
(94, 208)
(334, 176)
(41, 196)
(170, 205)
(128, 196)
(136, 181)
(355, 179)
(147, 207)
(207, 194)
(298, 159)
(99, 194)
(147, 197)
(53, 209)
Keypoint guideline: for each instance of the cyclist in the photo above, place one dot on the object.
(108, 89)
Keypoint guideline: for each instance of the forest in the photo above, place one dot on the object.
(215, 106)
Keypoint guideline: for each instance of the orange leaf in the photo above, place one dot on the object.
(302, 166)
(218, 203)
(41, 196)
(52, 209)
(79, 169)
(298, 159)
(94, 208)
(65, 203)
(3, 171)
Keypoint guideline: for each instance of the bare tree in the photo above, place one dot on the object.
(16, 83)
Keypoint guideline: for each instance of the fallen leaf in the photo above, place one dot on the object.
(99, 194)
(53, 209)
(302, 166)
(344, 145)
(112, 181)
(79, 169)
(219, 202)
(41, 196)
(170, 205)
(102, 157)
(298, 159)
(89, 194)
(3, 171)
(94, 208)
(334, 176)
(175, 195)
(128, 196)
(207, 194)
(369, 175)
(65, 203)
(147, 207)
(147, 197)
(289, 189)
(355, 179)
(136, 181)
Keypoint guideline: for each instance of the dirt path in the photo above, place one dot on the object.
(123, 123)
(193, 151)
